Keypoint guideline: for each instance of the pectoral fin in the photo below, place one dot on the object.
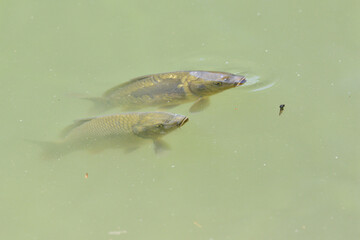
(160, 146)
(200, 105)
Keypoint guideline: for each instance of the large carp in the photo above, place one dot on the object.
(166, 90)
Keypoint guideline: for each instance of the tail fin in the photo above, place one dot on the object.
(100, 105)
(51, 150)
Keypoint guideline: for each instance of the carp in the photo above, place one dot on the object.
(167, 90)
(127, 130)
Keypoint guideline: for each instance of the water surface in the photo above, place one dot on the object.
(236, 171)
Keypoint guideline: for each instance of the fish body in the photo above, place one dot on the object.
(128, 131)
(166, 90)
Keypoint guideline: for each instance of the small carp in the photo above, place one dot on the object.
(128, 131)
(167, 90)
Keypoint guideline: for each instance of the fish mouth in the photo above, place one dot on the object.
(240, 82)
(183, 121)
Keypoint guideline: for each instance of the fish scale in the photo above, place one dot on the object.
(105, 126)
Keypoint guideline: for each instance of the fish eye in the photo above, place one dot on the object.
(160, 125)
(218, 83)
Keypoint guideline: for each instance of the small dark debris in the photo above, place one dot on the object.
(282, 106)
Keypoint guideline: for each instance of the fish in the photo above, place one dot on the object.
(126, 130)
(167, 90)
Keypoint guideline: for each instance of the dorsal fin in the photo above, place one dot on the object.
(114, 89)
(76, 124)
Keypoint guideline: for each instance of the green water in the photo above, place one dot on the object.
(237, 170)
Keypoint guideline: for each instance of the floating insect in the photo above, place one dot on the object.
(282, 106)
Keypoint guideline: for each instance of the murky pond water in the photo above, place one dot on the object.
(237, 170)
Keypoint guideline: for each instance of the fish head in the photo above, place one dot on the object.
(209, 83)
(156, 124)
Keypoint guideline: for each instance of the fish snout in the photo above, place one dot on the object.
(183, 121)
(240, 81)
